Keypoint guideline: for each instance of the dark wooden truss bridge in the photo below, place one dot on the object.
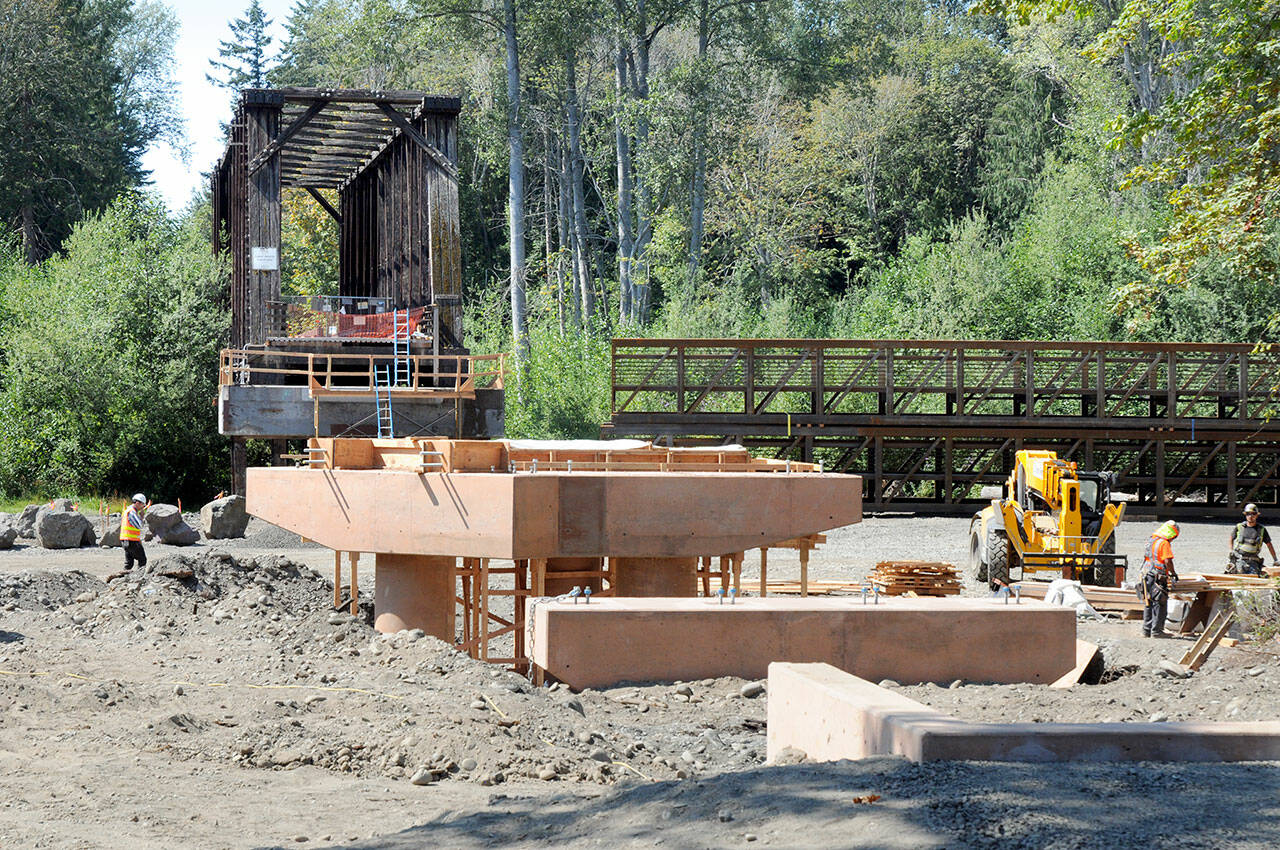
(393, 331)
(1185, 426)
(391, 156)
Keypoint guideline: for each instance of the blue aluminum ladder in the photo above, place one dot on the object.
(382, 396)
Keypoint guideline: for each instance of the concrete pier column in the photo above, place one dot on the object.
(656, 576)
(556, 586)
(415, 592)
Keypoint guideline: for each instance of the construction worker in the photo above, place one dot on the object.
(1247, 540)
(1155, 578)
(131, 532)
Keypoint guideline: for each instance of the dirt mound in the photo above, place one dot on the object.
(265, 582)
(36, 590)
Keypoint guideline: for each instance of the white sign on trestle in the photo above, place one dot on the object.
(264, 259)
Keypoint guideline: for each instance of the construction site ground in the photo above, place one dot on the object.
(233, 708)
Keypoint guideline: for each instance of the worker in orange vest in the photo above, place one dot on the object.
(131, 532)
(1155, 578)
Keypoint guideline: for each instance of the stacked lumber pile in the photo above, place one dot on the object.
(1116, 599)
(923, 578)
(1222, 581)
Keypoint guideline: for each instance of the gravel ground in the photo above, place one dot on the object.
(213, 700)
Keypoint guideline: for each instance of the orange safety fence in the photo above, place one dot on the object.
(304, 322)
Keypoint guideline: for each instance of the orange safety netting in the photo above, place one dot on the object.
(369, 326)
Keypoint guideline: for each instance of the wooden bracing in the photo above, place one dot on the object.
(931, 423)
(491, 628)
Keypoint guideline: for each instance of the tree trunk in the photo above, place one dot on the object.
(698, 190)
(30, 240)
(515, 189)
(643, 196)
(566, 270)
(568, 266)
(626, 241)
(581, 246)
(551, 251)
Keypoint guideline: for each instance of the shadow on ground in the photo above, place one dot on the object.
(956, 804)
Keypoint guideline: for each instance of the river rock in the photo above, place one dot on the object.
(224, 518)
(26, 523)
(111, 537)
(161, 518)
(180, 535)
(57, 529)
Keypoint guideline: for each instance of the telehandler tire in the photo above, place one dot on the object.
(1000, 557)
(977, 564)
(1104, 575)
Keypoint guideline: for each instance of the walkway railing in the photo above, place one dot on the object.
(350, 374)
(958, 379)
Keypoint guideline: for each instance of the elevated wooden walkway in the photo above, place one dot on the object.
(929, 423)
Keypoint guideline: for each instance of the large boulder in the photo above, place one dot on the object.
(111, 537)
(180, 535)
(58, 529)
(7, 532)
(161, 518)
(224, 517)
(26, 523)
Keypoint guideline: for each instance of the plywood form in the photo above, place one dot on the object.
(910, 640)
(832, 715)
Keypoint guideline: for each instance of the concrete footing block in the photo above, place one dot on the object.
(615, 640)
(831, 715)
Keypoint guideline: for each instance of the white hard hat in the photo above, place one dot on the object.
(138, 497)
(1250, 508)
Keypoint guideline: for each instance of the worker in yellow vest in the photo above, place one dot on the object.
(131, 532)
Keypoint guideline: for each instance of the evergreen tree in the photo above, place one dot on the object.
(71, 131)
(244, 55)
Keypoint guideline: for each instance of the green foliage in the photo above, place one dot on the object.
(111, 360)
(78, 105)
(1203, 123)
(309, 240)
(562, 391)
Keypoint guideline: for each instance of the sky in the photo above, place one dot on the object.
(203, 24)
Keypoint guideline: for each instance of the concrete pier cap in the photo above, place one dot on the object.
(419, 504)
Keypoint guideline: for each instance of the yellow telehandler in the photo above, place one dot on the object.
(1052, 518)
